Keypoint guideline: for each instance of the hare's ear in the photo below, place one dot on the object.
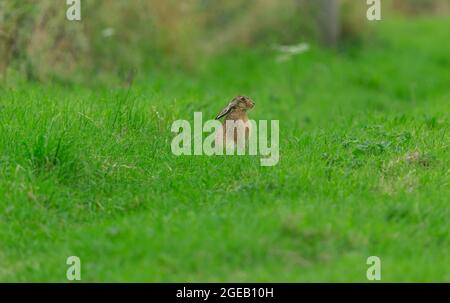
(225, 111)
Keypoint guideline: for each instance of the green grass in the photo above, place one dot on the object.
(364, 170)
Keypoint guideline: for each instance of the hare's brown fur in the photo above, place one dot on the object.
(235, 111)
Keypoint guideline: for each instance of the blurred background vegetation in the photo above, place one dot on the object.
(115, 37)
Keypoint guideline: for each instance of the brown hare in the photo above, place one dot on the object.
(236, 126)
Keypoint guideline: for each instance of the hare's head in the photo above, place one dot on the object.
(243, 103)
(239, 103)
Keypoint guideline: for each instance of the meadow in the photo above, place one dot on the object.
(87, 169)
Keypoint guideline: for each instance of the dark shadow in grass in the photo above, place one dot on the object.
(310, 245)
(53, 154)
(398, 213)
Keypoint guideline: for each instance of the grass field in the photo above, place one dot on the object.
(364, 170)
